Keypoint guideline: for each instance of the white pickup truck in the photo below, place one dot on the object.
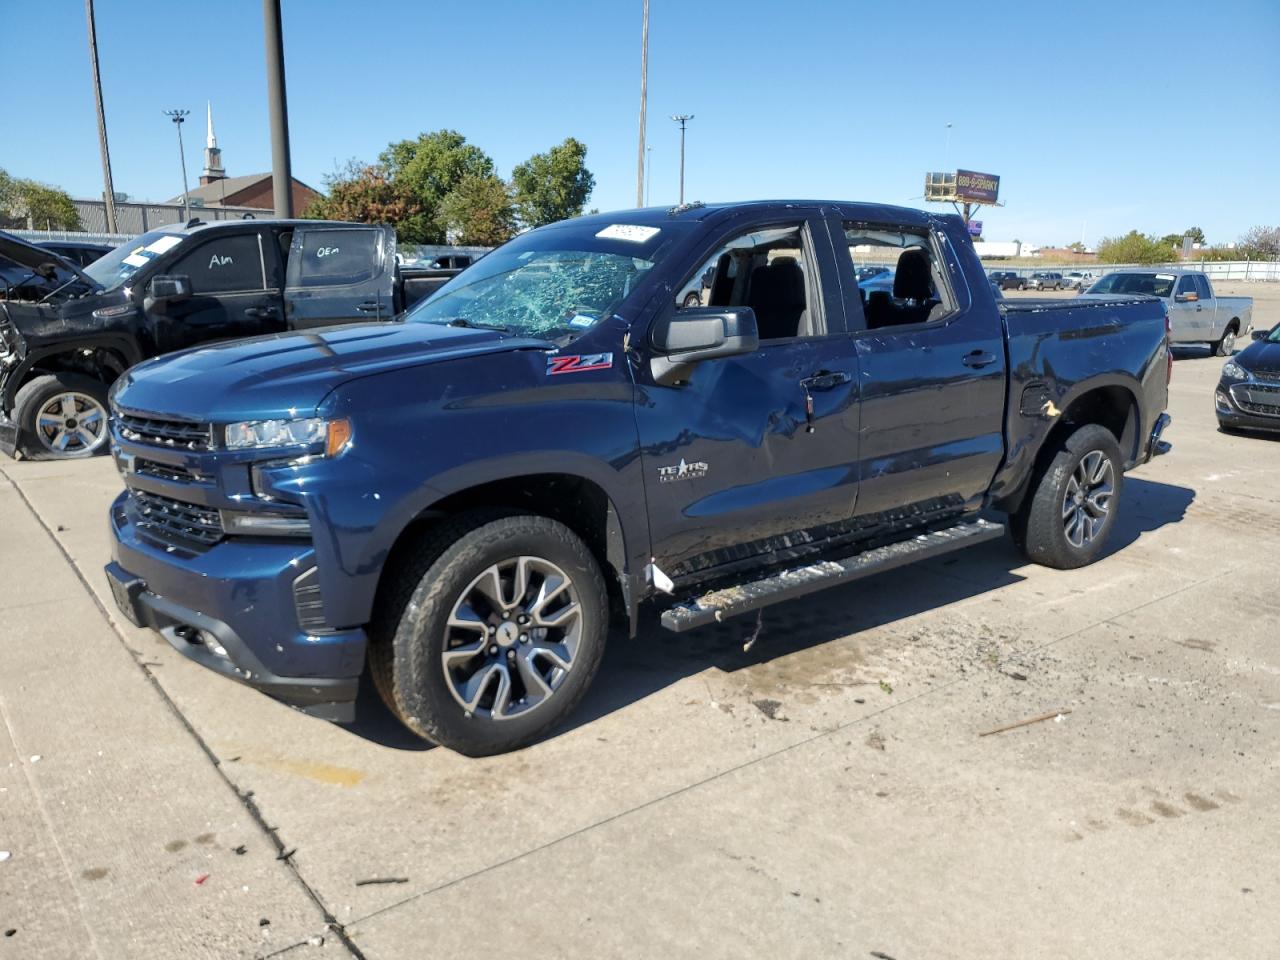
(1196, 315)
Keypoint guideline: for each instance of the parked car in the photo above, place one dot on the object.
(1044, 280)
(72, 331)
(460, 500)
(80, 252)
(1008, 280)
(1196, 314)
(1248, 393)
(1076, 280)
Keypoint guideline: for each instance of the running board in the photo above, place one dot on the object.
(798, 581)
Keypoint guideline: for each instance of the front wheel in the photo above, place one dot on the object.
(493, 633)
(1070, 511)
(62, 416)
(1227, 345)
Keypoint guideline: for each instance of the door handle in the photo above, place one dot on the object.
(369, 306)
(825, 380)
(260, 313)
(978, 359)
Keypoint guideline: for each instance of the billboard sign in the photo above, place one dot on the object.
(975, 228)
(977, 187)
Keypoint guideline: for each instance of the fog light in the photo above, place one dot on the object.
(1223, 404)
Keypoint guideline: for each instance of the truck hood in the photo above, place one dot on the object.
(289, 374)
(29, 256)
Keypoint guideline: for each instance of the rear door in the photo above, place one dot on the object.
(932, 364)
(231, 296)
(339, 274)
(755, 452)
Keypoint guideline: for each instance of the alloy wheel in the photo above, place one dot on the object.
(71, 424)
(1086, 503)
(511, 638)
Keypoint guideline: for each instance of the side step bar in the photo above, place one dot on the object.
(798, 581)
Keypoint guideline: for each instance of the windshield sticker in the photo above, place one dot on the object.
(579, 363)
(137, 260)
(580, 321)
(623, 231)
(163, 244)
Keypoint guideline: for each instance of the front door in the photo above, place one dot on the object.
(1186, 317)
(754, 453)
(339, 275)
(230, 293)
(932, 359)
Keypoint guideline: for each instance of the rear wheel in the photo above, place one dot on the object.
(493, 633)
(1071, 509)
(62, 416)
(1227, 345)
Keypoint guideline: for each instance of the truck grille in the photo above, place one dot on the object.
(1271, 376)
(165, 433)
(167, 471)
(308, 602)
(171, 519)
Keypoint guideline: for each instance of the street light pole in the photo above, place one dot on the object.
(648, 172)
(644, 102)
(108, 192)
(682, 119)
(281, 168)
(178, 116)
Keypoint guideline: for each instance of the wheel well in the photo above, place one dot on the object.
(99, 363)
(1113, 407)
(578, 503)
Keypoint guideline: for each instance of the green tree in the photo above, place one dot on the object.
(1175, 239)
(1261, 242)
(365, 193)
(1076, 246)
(429, 169)
(1135, 247)
(479, 211)
(554, 185)
(45, 207)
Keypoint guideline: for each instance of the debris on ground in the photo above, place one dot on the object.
(769, 708)
(885, 687)
(287, 853)
(372, 880)
(201, 879)
(4, 855)
(875, 740)
(36, 758)
(1015, 675)
(755, 634)
(880, 956)
(1052, 715)
(240, 851)
(264, 922)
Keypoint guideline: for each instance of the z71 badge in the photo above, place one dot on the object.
(579, 363)
(682, 471)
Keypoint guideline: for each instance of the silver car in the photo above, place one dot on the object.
(1196, 314)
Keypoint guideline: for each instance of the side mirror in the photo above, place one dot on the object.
(1186, 298)
(170, 289)
(686, 337)
(1260, 334)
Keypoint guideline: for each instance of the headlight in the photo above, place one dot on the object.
(1233, 371)
(252, 434)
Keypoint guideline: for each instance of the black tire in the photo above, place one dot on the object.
(409, 636)
(36, 438)
(1226, 346)
(692, 300)
(1041, 525)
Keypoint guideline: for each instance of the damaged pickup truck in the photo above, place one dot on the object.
(67, 333)
(461, 502)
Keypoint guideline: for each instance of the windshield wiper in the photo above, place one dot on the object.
(472, 325)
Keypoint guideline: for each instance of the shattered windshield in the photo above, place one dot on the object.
(117, 268)
(550, 283)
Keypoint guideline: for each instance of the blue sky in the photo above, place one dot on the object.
(1099, 117)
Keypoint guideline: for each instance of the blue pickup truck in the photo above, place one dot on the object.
(459, 501)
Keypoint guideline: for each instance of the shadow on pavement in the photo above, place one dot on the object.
(656, 659)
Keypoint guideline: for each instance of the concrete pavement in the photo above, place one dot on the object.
(825, 794)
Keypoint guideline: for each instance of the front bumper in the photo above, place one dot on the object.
(8, 436)
(1230, 396)
(231, 608)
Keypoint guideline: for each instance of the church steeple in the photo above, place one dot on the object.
(212, 156)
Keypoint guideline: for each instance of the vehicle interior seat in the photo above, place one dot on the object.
(778, 299)
(913, 297)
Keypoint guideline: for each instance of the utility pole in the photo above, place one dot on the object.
(108, 192)
(644, 102)
(178, 116)
(281, 170)
(682, 119)
(946, 151)
(648, 172)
